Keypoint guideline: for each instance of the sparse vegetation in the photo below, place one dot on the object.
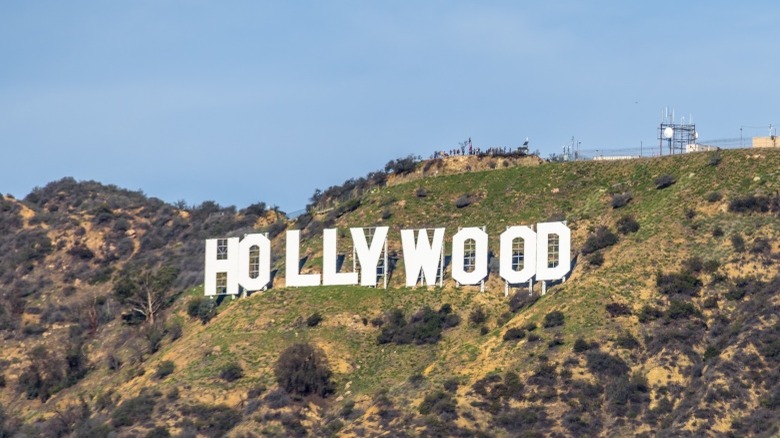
(423, 327)
(710, 310)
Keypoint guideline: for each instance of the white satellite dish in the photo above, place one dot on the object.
(668, 132)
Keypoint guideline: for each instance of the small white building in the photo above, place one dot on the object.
(697, 147)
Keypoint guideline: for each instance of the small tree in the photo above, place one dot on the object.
(302, 369)
(148, 292)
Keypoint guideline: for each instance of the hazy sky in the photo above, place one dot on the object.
(240, 102)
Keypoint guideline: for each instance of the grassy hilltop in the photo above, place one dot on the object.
(669, 323)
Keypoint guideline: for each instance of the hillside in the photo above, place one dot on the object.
(668, 325)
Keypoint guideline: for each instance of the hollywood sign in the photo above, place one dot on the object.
(233, 263)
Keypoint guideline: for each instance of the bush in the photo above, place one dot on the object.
(750, 204)
(736, 293)
(618, 309)
(424, 327)
(302, 369)
(761, 246)
(439, 403)
(683, 283)
(627, 341)
(450, 385)
(231, 372)
(202, 308)
(133, 411)
(158, 432)
(664, 181)
(464, 201)
(627, 224)
(314, 319)
(81, 252)
(211, 420)
(713, 196)
(164, 369)
(717, 231)
(555, 342)
(416, 380)
(514, 334)
(620, 200)
(600, 239)
(682, 310)
(477, 316)
(402, 166)
(421, 192)
(520, 300)
(715, 159)
(553, 319)
(738, 243)
(606, 365)
(580, 345)
(277, 399)
(649, 313)
(596, 259)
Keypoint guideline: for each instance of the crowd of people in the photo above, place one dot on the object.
(469, 150)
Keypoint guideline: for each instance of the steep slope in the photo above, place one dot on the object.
(670, 329)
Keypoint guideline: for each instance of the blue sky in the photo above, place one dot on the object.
(241, 102)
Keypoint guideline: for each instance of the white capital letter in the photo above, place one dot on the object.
(368, 256)
(329, 255)
(422, 255)
(263, 277)
(221, 261)
(480, 271)
(543, 231)
(293, 274)
(506, 270)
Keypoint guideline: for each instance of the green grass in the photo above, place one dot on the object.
(253, 331)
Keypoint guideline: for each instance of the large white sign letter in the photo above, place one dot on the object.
(221, 272)
(543, 232)
(329, 257)
(422, 255)
(507, 270)
(293, 256)
(368, 255)
(254, 278)
(480, 271)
